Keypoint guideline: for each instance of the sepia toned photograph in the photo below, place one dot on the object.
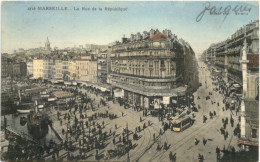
(130, 81)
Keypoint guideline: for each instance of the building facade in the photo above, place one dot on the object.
(102, 67)
(237, 61)
(147, 70)
(5, 67)
(81, 69)
(48, 69)
(72, 70)
(92, 71)
(57, 70)
(65, 70)
(86, 70)
(38, 68)
(29, 68)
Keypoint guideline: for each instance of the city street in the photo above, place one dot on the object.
(181, 143)
(132, 81)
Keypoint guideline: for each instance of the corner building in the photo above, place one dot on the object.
(147, 70)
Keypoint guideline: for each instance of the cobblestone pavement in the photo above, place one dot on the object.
(181, 143)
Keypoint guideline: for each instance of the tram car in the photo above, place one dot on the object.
(181, 124)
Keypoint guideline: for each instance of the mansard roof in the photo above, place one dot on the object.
(159, 35)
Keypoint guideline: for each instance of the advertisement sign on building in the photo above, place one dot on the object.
(119, 93)
(166, 100)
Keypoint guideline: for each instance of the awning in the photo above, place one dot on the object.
(236, 85)
(52, 99)
(104, 89)
(249, 143)
(40, 106)
(67, 83)
(45, 96)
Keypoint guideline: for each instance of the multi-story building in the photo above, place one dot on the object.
(92, 71)
(72, 70)
(65, 70)
(5, 67)
(29, 64)
(81, 69)
(86, 70)
(38, 68)
(48, 69)
(147, 70)
(18, 69)
(102, 67)
(237, 59)
(190, 74)
(57, 70)
(23, 69)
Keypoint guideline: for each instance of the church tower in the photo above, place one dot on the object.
(47, 45)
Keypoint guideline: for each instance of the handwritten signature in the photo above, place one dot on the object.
(213, 10)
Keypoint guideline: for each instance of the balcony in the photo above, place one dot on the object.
(146, 78)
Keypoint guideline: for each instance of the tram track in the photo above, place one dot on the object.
(180, 143)
(148, 147)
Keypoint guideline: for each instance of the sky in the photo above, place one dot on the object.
(24, 28)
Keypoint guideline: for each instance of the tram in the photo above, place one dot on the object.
(180, 124)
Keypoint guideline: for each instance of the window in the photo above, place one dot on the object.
(162, 62)
(254, 133)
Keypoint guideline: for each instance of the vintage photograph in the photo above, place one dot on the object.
(139, 81)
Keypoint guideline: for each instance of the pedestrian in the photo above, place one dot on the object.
(226, 134)
(170, 156)
(218, 153)
(165, 146)
(204, 141)
(122, 113)
(196, 141)
(96, 156)
(201, 158)
(60, 122)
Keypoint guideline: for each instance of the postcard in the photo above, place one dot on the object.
(145, 81)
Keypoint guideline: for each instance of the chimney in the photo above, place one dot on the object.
(145, 34)
(151, 32)
(124, 40)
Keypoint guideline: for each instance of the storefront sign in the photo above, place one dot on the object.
(166, 100)
(119, 93)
